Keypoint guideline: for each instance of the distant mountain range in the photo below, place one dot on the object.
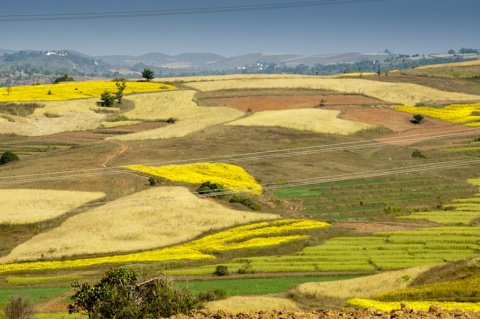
(26, 67)
(214, 62)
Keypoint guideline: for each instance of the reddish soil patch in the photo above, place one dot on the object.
(98, 135)
(268, 103)
(358, 108)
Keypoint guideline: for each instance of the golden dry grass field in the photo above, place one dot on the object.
(315, 120)
(154, 218)
(364, 287)
(400, 93)
(23, 206)
(245, 304)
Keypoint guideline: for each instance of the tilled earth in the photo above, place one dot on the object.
(404, 312)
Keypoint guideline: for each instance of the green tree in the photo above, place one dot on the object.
(63, 78)
(8, 156)
(107, 98)
(121, 86)
(148, 74)
(119, 295)
(417, 119)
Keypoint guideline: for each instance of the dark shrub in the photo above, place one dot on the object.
(8, 157)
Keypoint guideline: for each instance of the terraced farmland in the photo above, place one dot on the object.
(382, 251)
(372, 198)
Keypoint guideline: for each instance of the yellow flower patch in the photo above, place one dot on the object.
(232, 177)
(258, 235)
(75, 90)
(418, 305)
(468, 114)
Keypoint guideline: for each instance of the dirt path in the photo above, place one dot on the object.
(123, 149)
(56, 304)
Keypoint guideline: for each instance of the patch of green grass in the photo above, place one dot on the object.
(37, 294)
(255, 286)
(371, 198)
(25, 281)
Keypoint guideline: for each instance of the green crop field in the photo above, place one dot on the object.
(370, 198)
(36, 294)
(255, 286)
(381, 251)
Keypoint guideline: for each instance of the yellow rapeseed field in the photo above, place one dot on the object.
(232, 177)
(75, 90)
(400, 93)
(22, 206)
(178, 105)
(468, 114)
(417, 305)
(449, 290)
(272, 233)
(315, 120)
(153, 218)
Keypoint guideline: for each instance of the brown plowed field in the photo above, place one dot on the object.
(99, 135)
(285, 102)
(356, 108)
(403, 313)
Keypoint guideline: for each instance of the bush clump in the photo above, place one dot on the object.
(221, 270)
(119, 294)
(211, 189)
(212, 295)
(8, 156)
(246, 201)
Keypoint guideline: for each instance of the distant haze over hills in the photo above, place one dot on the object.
(27, 67)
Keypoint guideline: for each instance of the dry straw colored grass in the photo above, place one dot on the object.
(448, 65)
(315, 120)
(21, 206)
(245, 304)
(364, 287)
(56, 117)
(179, 105)
(153, 218)
(400, 93)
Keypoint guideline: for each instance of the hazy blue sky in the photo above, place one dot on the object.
(402, 26)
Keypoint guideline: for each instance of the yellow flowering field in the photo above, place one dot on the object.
(468, 114)
(256, 235)
(417, 305)
(232, 177)
(22, 206)
(75, 90)
(272, 234)
(448, 290)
